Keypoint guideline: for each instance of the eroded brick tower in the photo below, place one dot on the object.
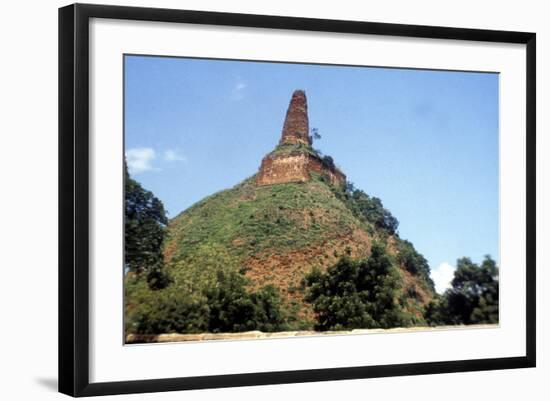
(296, 126)
(293, 160)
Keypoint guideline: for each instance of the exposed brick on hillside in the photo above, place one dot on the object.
(287, 168)
(277, 169)
(297, 165)
(335, 176)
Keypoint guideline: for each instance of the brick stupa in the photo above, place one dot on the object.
(294, 159)
(296, 125)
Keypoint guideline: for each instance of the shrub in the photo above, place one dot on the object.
(372, 210)
(170, 310)
(328, 161)
(233, 308)
(414, 262)
(356, 293)
(367, 208)
(224, 305)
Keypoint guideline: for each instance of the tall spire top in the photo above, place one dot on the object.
(296, 126)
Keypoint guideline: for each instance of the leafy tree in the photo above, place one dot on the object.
(223, 306)
(473, 298)
(367, 208)
(144, 224)
(356, 293)
(349, 187)
(436, 312)
(329, 161)
(414, 262)
(157, 277)
(372, 210)
(234, 309)
(170, 310)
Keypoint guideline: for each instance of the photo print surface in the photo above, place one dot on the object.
(268, 199)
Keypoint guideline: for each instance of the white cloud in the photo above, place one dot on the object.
(172, 155)
(442, 276)
(140, 159)
(237, 93)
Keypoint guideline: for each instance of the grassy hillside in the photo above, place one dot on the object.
(250, 220)
(276, 234)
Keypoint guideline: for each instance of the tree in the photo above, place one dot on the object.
(371, 209)
(356, 293)
(414, 262)
(169, 310)
(234, 309)
(328, 161)
(349, 187)
(473, 298)
(223, 306)
(314, 135)
(145, 224)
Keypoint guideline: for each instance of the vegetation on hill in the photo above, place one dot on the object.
(294, 148)
(473, 297)
(274, 233)
(284, 257)
(358, 294)
(226, 306)
(249, 219)
(414, 262)
(366, 208)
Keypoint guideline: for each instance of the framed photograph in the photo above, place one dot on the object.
(251, 199)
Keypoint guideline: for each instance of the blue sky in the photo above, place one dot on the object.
(425, 142)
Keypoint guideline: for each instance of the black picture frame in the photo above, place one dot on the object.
(74, 199)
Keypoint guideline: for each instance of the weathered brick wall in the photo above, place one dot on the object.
(277, 169)
(336, 177)
(283, 168)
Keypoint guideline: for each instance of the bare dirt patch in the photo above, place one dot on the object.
(257, 335)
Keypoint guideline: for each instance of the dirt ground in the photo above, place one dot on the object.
(256, 335)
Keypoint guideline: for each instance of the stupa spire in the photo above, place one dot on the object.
(296, 126)
(296, 163)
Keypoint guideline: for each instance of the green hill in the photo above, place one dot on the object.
(276, 234)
